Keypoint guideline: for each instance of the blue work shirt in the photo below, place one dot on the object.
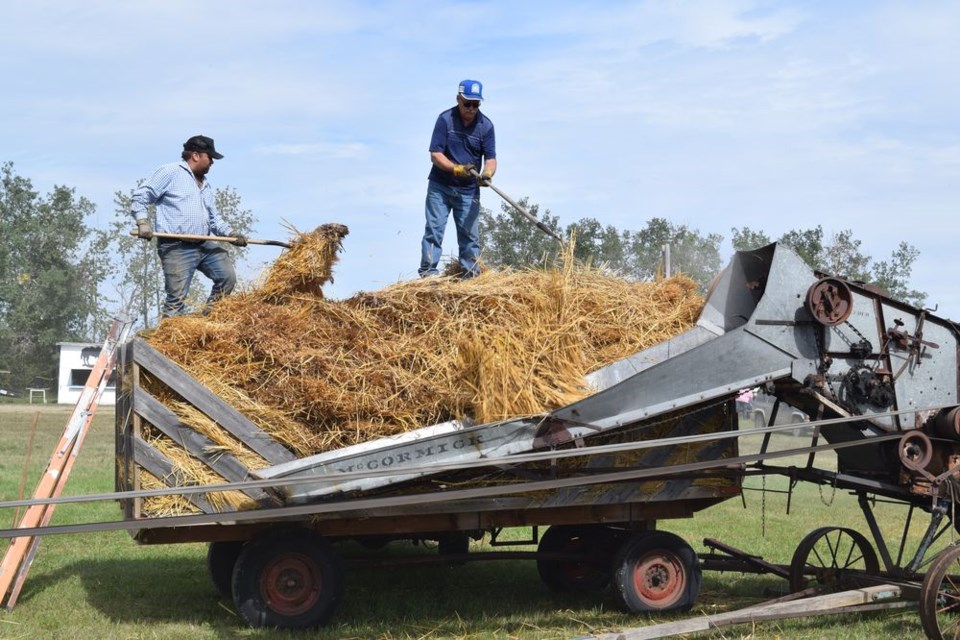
(183, 206)
(462, 145)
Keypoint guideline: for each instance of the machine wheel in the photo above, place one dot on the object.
(287, 579)
(656, 571)
(221, 558)
(940, 596)
(593, 574)
(834, 558)
(830, 301)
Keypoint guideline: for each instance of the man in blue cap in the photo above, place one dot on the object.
(463, 141)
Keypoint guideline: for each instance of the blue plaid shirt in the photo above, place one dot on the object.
(182, 205)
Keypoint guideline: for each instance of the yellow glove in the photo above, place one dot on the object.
(485, 179)
(462, 170)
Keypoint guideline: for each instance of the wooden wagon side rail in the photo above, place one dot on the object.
(198, 446)
(206, 401)
(135, 407)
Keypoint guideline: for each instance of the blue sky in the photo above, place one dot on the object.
(713, 114)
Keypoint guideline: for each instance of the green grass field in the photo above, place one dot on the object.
(106, 586)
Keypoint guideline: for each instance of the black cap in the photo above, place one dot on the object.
(203, 144)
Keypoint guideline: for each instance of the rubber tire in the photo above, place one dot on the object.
(300, 557)
(577, 577)
(221, 558)
(642, 563)
(935, 599)
(798, 579)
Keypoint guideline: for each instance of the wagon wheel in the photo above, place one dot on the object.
(836, 558)
(656, 571)
(221, 558)
(595, 543)
(940, 596)
(287, 579)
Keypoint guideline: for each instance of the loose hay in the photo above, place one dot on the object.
(319, 374)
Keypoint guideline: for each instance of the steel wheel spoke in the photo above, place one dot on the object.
(833, 545)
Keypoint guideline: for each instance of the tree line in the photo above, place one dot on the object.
(62, 280)
(507, 239)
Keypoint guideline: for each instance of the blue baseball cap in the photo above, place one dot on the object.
(471, 90)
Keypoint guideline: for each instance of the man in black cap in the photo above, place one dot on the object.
(185, 204)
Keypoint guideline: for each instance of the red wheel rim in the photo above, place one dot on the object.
(659, 579)
(291, 584)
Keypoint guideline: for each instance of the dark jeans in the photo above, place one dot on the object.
(180, 260)
(442, 201)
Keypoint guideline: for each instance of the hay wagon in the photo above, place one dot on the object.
(601, 493)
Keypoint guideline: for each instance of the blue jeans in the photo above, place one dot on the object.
(180, 260)
(465, 207)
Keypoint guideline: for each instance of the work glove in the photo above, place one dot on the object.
(144, 230)
(239, 240)
(485, 179)
(462, 170)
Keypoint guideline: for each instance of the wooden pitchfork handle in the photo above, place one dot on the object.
(193, 238)
(526, 214)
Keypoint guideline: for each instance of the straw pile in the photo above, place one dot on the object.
(318, 374)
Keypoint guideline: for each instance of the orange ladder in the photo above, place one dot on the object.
(20, 554)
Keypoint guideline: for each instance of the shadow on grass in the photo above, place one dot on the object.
(396, 602)
(143, 590)
(481, 599)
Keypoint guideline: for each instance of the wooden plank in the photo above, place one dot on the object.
(831, 603)
(197, 445)
(206, 401)
(161, 467)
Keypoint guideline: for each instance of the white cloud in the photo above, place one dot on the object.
(716, 114)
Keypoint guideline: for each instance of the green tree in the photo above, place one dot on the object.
(598, 244)
(894, 275)
(808, 243)
(746, 239)
(691, 253)
(137, 274)
(509, 239)
(843, 256)
(50, 270)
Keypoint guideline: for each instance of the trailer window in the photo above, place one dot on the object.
(78, 378)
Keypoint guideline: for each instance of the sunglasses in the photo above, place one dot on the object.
(469, 104)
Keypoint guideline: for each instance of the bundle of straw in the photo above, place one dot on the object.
(319, 374)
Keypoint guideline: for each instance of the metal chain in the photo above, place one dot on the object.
(833, 494)
(856, 331)
(763, 508)
(821, 349)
